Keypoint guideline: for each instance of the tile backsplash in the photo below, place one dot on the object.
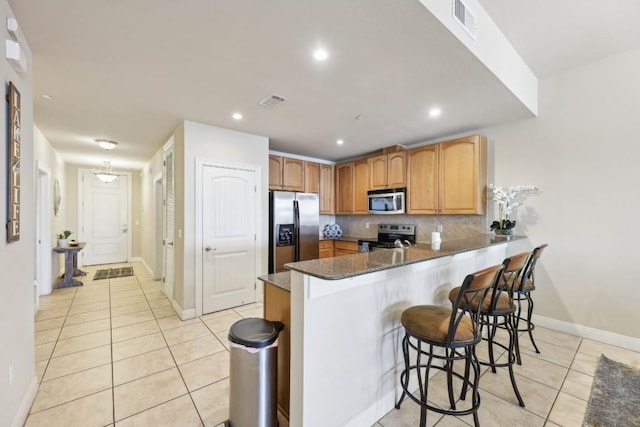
(453, 226)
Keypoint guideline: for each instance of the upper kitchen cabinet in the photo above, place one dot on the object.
(422, 180)
(286, 173)
(327, 205)
(275, 172)
(388, 171)
(449, 177)
(311, 177)
(360, 187)
(344, 188)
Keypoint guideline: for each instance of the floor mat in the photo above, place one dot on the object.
(112, 273)
(615, 395)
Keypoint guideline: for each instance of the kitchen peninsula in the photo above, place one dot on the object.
(345, 332)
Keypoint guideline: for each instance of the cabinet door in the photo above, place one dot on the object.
(327, 205)
(377, 172)
(311, 177)
(422, 180)
(360, 187)
(293, 174)
(397, 170)
(463, 175)
(277, 307)
(275, 172)
(345, 248)
(344, 189)
(326, 248)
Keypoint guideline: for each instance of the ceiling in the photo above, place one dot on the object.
(132, 71)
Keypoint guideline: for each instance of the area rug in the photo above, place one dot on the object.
(112, 273)
(615, 395)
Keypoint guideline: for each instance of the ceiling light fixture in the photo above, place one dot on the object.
(106, 174)
(340, 142)
(237, 116)
(320, 54)
(106, 144)
(435, 112)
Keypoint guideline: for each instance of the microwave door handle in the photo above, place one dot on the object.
(296, 231)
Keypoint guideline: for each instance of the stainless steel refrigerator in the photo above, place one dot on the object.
(294, 224)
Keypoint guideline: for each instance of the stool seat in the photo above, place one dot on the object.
(430, 323)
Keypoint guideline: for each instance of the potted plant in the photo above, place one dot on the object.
(62, 238)
(507, 201)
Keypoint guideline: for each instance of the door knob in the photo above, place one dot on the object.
(209, 249)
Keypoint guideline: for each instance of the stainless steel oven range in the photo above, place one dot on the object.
(390, 236)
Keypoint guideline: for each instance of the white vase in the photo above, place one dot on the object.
(62, 243)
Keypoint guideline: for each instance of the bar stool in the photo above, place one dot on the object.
(498, 311)
(451, 331)
(524, 285)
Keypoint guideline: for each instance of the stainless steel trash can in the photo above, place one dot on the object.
(253, 373)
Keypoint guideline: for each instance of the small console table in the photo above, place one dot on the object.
(70, 265)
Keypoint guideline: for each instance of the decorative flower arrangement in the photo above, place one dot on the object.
(507, 201)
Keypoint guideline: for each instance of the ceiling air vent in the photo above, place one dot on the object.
(272, 101)
(465, 17)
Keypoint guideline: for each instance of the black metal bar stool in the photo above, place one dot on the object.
(497, 311)
(446, 334)
(523, 285)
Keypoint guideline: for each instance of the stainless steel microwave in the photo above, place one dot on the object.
(387, 202)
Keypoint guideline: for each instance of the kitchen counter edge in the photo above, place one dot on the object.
(342, 267)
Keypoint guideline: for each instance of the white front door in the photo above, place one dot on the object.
(104, 220)
(228, 237)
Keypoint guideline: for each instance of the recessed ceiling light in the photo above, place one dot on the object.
(320, 54)
(106, 144)
(340, 142)
(47, 97)
(237, 116)
(435, 112)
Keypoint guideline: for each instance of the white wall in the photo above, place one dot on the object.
(17, 259)
(583, 152)
(147, 209)
(216, 144)
(46, 155)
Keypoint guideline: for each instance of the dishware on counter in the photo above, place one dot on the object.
(332, 230)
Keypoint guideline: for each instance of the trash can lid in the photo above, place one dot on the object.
(254, 332)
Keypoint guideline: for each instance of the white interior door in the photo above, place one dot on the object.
(228, 237)
(104, 220)
(168, 265)
(158, 249)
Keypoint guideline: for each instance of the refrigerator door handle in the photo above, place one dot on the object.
(296, 228)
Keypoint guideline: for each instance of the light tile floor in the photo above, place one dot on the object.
(114, 353)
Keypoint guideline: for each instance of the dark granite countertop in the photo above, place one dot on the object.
(281, 280)
(354, 265)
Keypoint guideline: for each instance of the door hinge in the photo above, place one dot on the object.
(255, 188)
(164, 163)
(163, 279)
(255, 237)
(163, 242)
(255, 286)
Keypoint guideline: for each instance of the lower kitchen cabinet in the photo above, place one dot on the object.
(326, 249)
(277, 307)
(344, 248)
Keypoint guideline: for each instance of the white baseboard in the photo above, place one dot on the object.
(25, 405)
(141, 261)
(606, 337)
(187, 314)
